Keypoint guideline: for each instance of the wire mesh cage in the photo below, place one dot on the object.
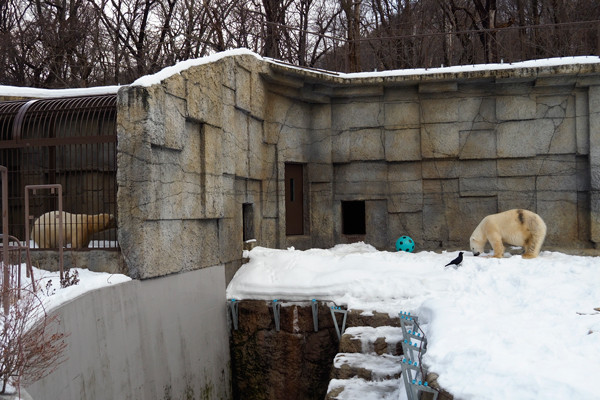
(69, 142)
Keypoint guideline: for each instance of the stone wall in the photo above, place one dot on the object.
(430, 155)
(293, 363)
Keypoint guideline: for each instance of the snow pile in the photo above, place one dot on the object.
(497, 328)
(53, 295)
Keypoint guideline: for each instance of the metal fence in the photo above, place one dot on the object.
(69, 142)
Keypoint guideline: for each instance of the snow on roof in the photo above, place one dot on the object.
(27, 92)
(153, 79)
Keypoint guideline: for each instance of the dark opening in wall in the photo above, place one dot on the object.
(248, 221)
(353, 218)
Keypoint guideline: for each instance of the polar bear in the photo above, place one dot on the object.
(516, 227)
(78, 228)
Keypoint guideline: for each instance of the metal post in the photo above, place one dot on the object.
(338, 330)
(315, 314)
(6, 268)
(276, 313)
(233, 306)
(53, 188)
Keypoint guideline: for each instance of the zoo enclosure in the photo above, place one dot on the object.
(67, 141)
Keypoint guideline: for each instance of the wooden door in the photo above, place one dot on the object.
(294, 199)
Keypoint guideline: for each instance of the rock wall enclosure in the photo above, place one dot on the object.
(293, 363)
(202, 156)
(297, 363)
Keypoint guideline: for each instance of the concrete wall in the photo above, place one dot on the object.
(164, 338)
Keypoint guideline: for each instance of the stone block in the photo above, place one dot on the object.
(477, 168)
(403, 93)
(515, 108)
(356, 114)
(213, 172)
(366, 144)
(405, 187)
(320, 146)
(402, 144)
(559, 211)
(523, 138)
(472, 211)
(439, 196)
(376, 223)
(269, 229)
(236, 146)
(583, 174)
(174, 192)
(477, 109)
(545, 165)
(261, 157)
(204, 94)
(360, 180)
(440, 169)
(582, 123)
(402, 115)
(434, 111)
(439, 140)
(478, 187)
(340, 147)
(594, 131)
(243, 88)
(438, 87)
(559, 183)
(477, 144)
(175, 86)
(230, 239)
(320, 172)
(295, 144)
(321, 218)
(274, 197)
(228, 73)
(595, 217)
(516, 192)
(171, 254)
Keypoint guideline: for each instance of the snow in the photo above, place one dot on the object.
(157, 78)
(497, 329)
(52, 295)
(17, 91)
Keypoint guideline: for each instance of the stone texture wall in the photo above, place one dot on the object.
(293, 363)
(430, 155)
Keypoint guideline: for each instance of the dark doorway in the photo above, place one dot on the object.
(353, 218)
(294, 199)
(248, 221)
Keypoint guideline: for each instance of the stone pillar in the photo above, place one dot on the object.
(594, 126)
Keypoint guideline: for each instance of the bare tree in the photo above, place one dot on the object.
(351, 10)
(31, 344)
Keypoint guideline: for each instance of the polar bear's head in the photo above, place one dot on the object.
(477, 245)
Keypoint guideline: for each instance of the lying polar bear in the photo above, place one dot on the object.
(516, 227)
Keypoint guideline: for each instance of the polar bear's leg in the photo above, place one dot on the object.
(533, 245)
(496, 242)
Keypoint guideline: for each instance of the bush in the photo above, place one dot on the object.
(31, 345)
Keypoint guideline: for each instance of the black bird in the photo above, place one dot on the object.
(457, 261)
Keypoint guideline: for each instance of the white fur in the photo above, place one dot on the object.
(528, 231)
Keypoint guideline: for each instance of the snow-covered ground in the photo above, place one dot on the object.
(52, 295)
(497, 329)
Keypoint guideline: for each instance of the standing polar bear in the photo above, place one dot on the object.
(516, 227)
(77, 228)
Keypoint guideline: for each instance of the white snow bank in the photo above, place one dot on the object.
(497, 328)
